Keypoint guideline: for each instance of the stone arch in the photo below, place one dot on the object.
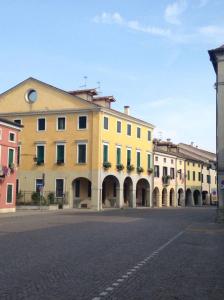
(128, 192)
(164, 197)
(143, 192)
(110, 191)
(180, 200)
(188, 198)
(172, 197)
(197, 197)
(82, 192)
(155, 197)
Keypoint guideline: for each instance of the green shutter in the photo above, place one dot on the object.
(9, 193)
(60, 153)
(40, 154)
(11, 156)
(82, 154)
(128, 157)
(105, 153)
(149, 161)
(138, 159)
(118, 156)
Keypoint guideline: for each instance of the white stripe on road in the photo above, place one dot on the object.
(137, 267)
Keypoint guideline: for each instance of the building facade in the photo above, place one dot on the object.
(76, 146)
(8, 164)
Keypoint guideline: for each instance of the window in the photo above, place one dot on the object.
(156, 171)
(208, 179)
(148, 161)
(105, 153)
(129, 129)
(202, 178)
(172, 173)
(180, 174)
(188, 163)
(164, 160)
(18, 121)
(193, 164)
(128, 157)
(149, 135)
(118, 155)
(199, 176)
(138, 132)
(165, 173)
(61, 123)
(12, 137)
(81, 153)
(60, 153)
(106, 123)
(10, 157)
(188, 175)
(40, 154)
(9, 197)
(118, 126)
(193, 175)
(156, 158)
(138, 159)
(18, 155)
(172, 161)
(41, 124)
(77, 188)
(39, 185)
(82, 122)
(59, 187)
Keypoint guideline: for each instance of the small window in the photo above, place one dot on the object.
(138, 132)
(60, 154)
(172, 173)
(12, 137)
(118, 126)
(9, 198)
(208, 179)
(105, 153)
(156, 171)
(129, 129)
(172, 161)
(156, 158)
(10, 157)
(199, 176)
(82, 123)
(81, 153)
(188, 175)
(61, 123)
(202, 178)
(193, 164)
(164, 160)
(59, 187)
(18, 121)
(41, 124)
(188, 163)
(106, 123)
(149, 135)
(193, 175)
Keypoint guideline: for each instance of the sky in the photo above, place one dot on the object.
(150, 55)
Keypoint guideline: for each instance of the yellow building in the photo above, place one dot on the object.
(76, 147)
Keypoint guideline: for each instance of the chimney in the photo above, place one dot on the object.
(127, 110)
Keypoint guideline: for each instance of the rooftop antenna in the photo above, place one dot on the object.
(99, 87)
(85, 82)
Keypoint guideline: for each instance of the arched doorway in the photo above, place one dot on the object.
(197, 197)
(128, 190)
(155, 197)
(180, 200)
(172, 197)
(188, 198)
(110, 189)
(81, 192)
(143, 193)
(205, 198)
(164, 197)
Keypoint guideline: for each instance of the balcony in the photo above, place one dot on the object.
(166, 180)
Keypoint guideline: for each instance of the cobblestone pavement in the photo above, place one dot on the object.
(117, 254)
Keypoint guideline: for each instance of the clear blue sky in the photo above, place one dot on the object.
(151, 55)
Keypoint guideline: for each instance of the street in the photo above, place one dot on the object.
(115, 254)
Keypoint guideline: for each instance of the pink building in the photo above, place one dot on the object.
(8, 164)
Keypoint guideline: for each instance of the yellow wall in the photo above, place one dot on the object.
(190, 166)
(113, 138)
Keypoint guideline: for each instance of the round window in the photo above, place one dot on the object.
(31, 96)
